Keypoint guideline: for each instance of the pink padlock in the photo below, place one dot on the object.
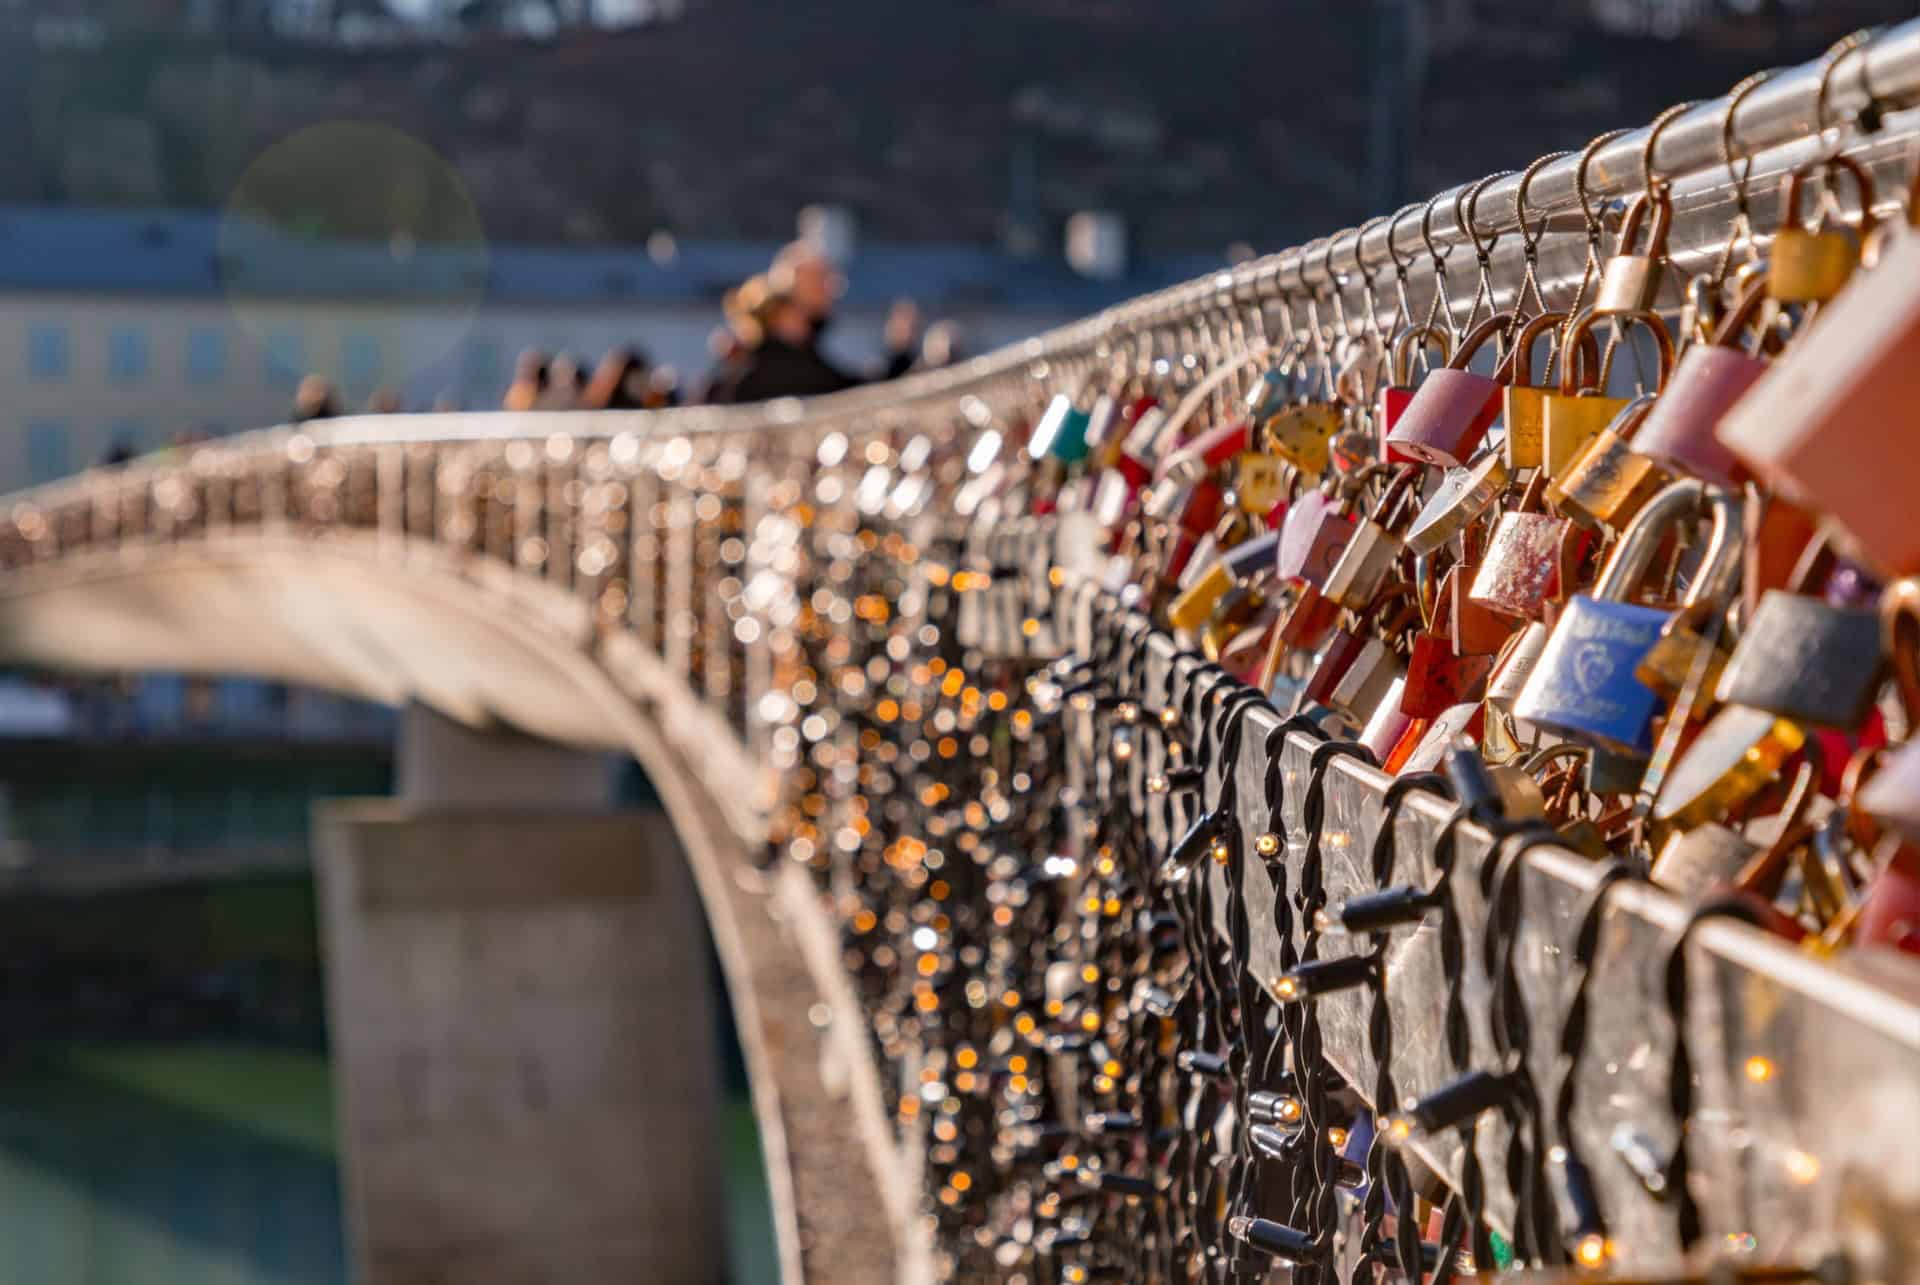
(1831, 422)
(1316, 531)
(1679, 430)
(1453, 408)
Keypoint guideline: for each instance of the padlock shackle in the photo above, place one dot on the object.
(1625, 424)
(1391, 499)
(1463, 356)
(1745, 308)
(1863, 188)
(1406, 341)
(1519, 372)
(1582, 328)
(1675, 503)
(1661, 203)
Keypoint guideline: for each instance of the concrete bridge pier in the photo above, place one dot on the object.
(521, 1013)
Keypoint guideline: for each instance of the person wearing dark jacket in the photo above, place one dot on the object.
(779, 319)
(782, 357)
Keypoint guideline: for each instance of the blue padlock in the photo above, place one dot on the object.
(1584, 687)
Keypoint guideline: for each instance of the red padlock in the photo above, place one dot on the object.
(1399, 389)
(1206, 452)
(1453, 407)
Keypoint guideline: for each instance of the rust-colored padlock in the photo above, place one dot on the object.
(1453, 407)
(1399, 389)
(1576, 414)
(1630, 280)
(1472, 628)
(1524, 405)
(1438, 679)
(1612, 479)
(1812, 264)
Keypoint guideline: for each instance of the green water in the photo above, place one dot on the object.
(213, 1165)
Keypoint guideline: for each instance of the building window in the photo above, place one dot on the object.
(47, 352)
(206, 356)
(126, 354)
(48, 450)
(286, 358)
(360, 363)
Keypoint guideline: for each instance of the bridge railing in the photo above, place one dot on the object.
(857, 587)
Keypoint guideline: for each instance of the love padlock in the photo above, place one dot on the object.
(1399, 389)
(1679, 431)
(1585, 687)
(1453, 407)
(1812, 264)
(1630, 280)
(1524, 406)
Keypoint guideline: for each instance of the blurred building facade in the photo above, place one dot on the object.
(122, 330)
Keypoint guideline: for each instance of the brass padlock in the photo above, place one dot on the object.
(1575, 414)
(1299, 434)
(1462, 495)
(1630, 280)
(1610, 481)
(1523, 404)
(1732, 759)
(1812, 265)
(1374, 546)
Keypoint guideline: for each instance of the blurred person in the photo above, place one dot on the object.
(784, 360)
(942, 345)
(815, 285)
(529, 381)
(385, 401)
(619, 384)
(566, 384)
(314, 399)
(663, 388)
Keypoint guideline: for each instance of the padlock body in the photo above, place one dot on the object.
(1831, 421)
(1679, 429)
(1299, 434)
(1388, 724)
(1569, 423)
(1807, 660)
(1809, 267)
(1669, 664)
(1391, 404)
(1472, 629)
(1315, 534)
(1363, 566)
(1306, 622)
(1628, 283)
(1512, 670)
(1524, 411)
(1733, 758)
(1364, 687)
(1466, 720)
(1520, 572)
(1259, 482)
(1449, 414)
(1437, 679)
(1608, 484)
(1337, 654)
(1584, 687)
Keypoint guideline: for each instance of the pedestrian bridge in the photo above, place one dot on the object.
(639, 583)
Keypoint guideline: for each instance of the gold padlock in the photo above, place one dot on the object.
(1630, 281)
(1610, 481)
(1812, 265)
(1577, 413)
(1299, 434)
(1523, 406)
(1260, 481)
